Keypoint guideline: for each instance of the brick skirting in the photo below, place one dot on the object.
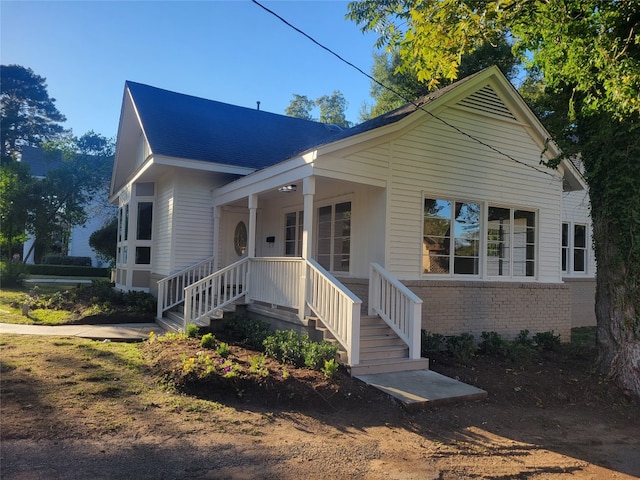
(452, 308)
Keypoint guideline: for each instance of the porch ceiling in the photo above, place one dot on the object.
(324, 185)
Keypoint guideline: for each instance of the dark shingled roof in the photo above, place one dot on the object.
(184, 126)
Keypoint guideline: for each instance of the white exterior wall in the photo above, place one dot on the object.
(164, 230)
(192, 219)
(436, 161)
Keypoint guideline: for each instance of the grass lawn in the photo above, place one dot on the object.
(12, 299)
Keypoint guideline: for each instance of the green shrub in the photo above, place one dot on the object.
(494, 345)
(521, 353)
(246, 330)
(67, 270)
(223, 349)
(287, 346)
(461, 347)
(258, 365)
(12, 273)
(523, 339)
(208, 340)
(66, 260)
(192, 330)
(430, 343)
(316, 354)
(330, 368)
(547, 341)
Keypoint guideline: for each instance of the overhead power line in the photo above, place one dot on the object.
(400, 95)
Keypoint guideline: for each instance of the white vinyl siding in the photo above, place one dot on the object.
(164, 229)
(193, 220)
(435, 160)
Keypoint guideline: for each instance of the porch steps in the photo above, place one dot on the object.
(173, 320)
(381, 350)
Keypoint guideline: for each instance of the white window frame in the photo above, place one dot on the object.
(483, 267)
(297, 233)
(570, 248)
(332, 254)
(451, 255)
(512, 245)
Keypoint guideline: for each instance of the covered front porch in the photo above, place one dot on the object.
(279, 249)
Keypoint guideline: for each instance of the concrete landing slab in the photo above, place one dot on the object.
(423, 388)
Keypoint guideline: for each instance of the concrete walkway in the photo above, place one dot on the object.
(66, 281)
(118, 332)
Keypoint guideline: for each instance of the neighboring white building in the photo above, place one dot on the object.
(98, 210)
(446, 196)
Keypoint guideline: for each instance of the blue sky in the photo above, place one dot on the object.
(230, 51)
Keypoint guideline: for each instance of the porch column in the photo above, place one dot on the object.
(251, 240)
(308, 191)
(217, 213)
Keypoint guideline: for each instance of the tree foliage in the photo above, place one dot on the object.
(60, 201)
(394, 86)
(584, 62)
(300, 107)
(104, 241)
(332, 108)
(28, 116)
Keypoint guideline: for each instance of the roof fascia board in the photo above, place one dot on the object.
(126, 97)
(141, 171)
(200, 165)
(572, 175)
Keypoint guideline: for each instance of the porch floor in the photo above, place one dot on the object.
(423, 388)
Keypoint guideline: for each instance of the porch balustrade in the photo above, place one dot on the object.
(398, 306)
(171, 288)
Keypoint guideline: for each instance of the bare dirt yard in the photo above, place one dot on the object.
(79, 409)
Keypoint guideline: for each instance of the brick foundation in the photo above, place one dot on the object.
(452, 308)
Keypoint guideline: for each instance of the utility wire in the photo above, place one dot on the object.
(400, 95)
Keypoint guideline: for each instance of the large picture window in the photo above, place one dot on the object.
(334, 237)
(451, 237)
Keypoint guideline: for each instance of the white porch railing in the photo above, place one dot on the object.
(398, 306)
(336, 306)
(276, 280)
(206, 296)
(301, 285)
(171, 288)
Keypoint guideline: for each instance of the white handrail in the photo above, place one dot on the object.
(171, 288)
(336, 307)
(398, 306)
(214, 292)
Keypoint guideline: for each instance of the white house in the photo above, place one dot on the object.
(436, 216)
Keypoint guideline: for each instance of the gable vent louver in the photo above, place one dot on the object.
(486, 100)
